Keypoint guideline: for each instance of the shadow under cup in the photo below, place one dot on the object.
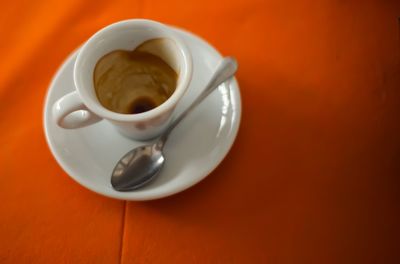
(128, 35)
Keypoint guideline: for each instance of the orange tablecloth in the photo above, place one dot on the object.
(312, 178)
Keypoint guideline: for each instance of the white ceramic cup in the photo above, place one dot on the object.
(82, 108)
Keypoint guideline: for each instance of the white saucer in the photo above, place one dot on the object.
(194, 149)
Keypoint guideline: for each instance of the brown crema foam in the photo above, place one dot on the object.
(132, 82)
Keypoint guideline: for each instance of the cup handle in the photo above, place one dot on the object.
(70, 112)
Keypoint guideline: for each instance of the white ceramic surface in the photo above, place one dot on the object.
(124, 35)
(194, 149)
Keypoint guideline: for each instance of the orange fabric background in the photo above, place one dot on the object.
(312, 178)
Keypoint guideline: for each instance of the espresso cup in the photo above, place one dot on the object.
(81, 107)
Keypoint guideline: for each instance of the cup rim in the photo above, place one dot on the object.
(169, 104)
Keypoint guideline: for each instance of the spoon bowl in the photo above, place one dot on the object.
(144, 162)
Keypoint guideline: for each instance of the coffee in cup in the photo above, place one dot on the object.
(154, 45)
(132, 82)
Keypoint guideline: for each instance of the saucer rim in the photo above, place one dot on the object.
(143, 197)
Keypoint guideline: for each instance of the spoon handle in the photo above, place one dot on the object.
(225, 70)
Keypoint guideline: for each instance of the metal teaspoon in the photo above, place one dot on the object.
(142, 164)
